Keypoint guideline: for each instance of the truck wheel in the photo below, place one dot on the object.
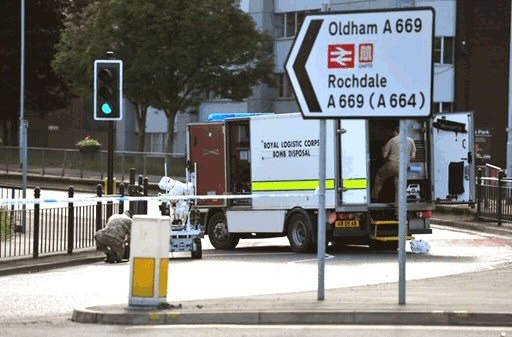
(197, 250)
(219, 235)
(300, 233)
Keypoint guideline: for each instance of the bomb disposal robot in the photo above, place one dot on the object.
(185, 230)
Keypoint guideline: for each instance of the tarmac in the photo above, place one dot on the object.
(471, 299)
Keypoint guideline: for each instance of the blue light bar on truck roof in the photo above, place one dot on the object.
(224, 116)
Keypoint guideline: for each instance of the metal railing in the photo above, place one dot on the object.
(72, 163)
(31, 230)
(494, 196)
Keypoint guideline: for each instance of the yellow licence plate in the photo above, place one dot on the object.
(347, 223)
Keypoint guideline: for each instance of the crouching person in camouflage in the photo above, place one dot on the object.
(115, 237)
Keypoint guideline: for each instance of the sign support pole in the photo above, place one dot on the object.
(321, 204)
(402, 209)
(321, 211)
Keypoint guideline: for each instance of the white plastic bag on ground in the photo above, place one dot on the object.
(420, 246)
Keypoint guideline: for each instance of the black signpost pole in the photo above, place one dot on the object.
(110, 165)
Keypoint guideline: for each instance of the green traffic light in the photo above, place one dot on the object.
(106, 108)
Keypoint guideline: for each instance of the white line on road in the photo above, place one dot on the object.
(327, 257)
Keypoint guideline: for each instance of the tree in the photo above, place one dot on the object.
(216, 49)
(174, 51)
(43, 90)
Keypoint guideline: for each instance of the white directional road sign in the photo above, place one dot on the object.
(364, 64)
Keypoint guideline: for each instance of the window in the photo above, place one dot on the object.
(155, 142)
(212, 95)
(285, 87)
(405, 3)
(288, 24)
(279, 25)
(300, 20)
(443, 50)
(448, 50)
(442, 107)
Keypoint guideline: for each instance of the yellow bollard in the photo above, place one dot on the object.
(149, 260)
(105, 185)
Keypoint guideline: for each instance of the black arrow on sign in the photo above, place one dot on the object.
(299, 66)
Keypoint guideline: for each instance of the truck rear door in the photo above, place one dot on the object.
(453, 157)
(352, 162)
(207, 150)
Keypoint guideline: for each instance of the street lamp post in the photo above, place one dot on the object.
(23, 122)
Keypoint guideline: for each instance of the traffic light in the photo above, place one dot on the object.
(108, 90)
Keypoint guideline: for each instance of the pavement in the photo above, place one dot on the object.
(479, 299)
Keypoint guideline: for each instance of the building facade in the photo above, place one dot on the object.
(471, 60)
(482, 74)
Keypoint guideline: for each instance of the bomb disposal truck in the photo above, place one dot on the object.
(264, 170)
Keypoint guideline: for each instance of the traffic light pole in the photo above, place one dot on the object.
(108, 107)
(110, 165)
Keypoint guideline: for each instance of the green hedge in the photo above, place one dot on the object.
(6, 228)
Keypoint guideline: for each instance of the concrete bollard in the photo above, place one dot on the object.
(149, 260)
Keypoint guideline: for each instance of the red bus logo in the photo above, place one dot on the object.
(341, 56)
